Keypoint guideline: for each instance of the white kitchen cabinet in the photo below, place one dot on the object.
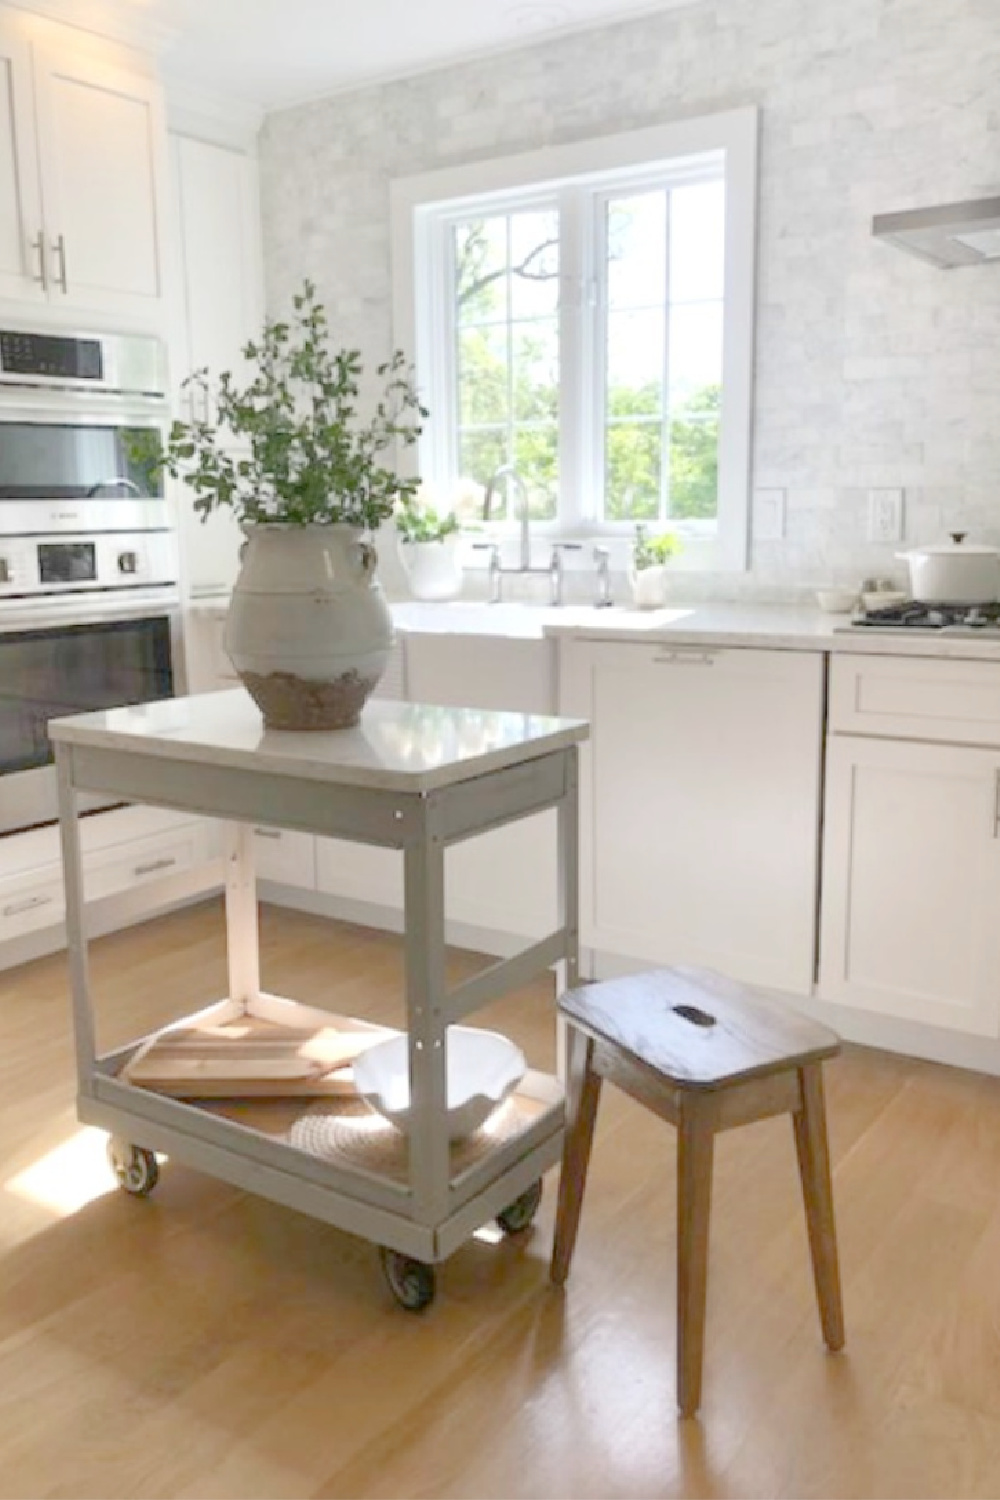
(911, 858)
(700, 806)
(503, 881)
(911, 882)
(125, 850)
(82, 180)
(285, 856)
(217, 308)
(362, 872)
(209, 669)
(20, 197)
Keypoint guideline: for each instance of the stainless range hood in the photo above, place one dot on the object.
(953, 234)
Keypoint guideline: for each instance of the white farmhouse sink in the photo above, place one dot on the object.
(467, 617)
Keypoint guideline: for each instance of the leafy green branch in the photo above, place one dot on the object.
(307, 457)
(652, 551)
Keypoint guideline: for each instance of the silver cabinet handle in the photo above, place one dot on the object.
(154, 865)
(268, 833)
(685, 659)
(15, 908)
(996, 803)
(43, 271)
(61, 257)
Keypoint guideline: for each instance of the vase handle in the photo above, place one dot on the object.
(368, 558)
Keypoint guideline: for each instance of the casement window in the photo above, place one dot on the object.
(584, 316)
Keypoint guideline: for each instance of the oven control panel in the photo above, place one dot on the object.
(51, 355)
(126, 364)
(43, 566)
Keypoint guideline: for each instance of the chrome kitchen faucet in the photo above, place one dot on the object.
(496, 570)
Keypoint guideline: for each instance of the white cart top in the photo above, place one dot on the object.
(405, 747)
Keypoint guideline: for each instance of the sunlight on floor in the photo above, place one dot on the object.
(69, 1177)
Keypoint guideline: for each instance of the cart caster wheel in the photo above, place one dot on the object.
(135, 1168)
(519, 1214)
(410, 1281)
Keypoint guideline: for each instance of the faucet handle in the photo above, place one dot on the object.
(602, 560)
(493, 565)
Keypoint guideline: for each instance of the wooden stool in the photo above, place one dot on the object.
(706, 1054)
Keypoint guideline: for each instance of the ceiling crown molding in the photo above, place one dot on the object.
(210, 116)
(119, 20)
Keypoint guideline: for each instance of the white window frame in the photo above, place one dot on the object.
(662, 154)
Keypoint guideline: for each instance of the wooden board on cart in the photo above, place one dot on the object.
(251, 1058)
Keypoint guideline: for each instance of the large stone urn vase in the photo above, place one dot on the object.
(308, 630)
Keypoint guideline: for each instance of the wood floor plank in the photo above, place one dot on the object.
(209, 1343)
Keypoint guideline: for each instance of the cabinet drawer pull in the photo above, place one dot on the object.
(15, 908)
(43, 271)
(268, 833)
(685, 659)
(61, 257)
(154, 865)
(996, 803)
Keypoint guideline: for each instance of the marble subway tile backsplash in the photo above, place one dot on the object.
(872, 369)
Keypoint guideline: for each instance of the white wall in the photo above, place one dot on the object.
(872, 368)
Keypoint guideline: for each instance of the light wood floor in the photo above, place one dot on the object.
(207, 1343)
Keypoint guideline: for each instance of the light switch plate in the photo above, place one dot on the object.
(885, 515)
(769, 515)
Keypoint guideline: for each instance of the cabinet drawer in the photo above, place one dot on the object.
(283, 855)
(26, 904)
(143, 862)
(915, 698)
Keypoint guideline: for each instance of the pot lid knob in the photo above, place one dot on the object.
(958, 537)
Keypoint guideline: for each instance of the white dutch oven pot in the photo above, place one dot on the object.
(954, 573)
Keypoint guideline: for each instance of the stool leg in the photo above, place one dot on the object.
(695, 1153)
(582, 1098)
(817, 1191)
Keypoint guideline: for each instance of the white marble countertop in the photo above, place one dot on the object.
(764, 626)
(771, 626)
(404, 747)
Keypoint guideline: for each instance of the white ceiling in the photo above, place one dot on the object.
(275, 52)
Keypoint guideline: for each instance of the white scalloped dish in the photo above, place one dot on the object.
(483, 1068)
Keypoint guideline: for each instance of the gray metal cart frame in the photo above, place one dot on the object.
(422, 814)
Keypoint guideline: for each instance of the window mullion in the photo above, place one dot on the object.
(666, 412)
(573, 476)
(595, 357)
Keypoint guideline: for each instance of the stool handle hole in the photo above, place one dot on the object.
(693, 1014)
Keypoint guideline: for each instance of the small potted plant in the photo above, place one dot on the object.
(428, 546)
(648, 575)
(309, 480)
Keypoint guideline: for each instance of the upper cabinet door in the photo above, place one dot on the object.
(20, 202)
(101, 138)
(216, 195)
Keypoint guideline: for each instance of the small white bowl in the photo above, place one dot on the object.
(885, 599)
(836, 601)
(483, 1067)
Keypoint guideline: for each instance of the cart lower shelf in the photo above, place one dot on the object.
(337, 1158)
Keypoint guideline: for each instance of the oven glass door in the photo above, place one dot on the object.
(46, 673)
(70, 461)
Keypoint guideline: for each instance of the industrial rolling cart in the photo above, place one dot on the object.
(410, 777)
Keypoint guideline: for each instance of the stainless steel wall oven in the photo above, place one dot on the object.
(89, 594)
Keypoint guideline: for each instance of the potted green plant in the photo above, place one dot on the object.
(309, 480)
(648, 575)
(428, 546)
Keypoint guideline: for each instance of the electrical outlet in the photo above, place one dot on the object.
(768, 515)
(885, 515)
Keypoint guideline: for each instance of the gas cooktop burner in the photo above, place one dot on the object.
(946, 617)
